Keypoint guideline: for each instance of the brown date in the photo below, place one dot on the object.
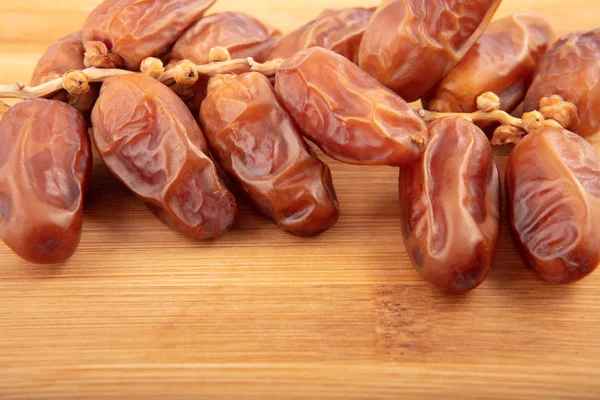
(338, 30)
(450, 206)
(553, 195)
(571, 69)
(45, 168)
(148, 139)
(346, 112)
(256, 143)
(411, 45)
(134, 30)
(243, 35)
(502, 61)
(65, 55)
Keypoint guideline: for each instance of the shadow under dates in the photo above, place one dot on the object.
(108, 200)
(118, 228)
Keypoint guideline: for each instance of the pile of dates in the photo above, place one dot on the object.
(345, 85)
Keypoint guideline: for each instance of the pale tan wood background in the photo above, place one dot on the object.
(142, 312)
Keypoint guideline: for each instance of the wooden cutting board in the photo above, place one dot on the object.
(142, 312)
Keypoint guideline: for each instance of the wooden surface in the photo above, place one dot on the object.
(142, 312)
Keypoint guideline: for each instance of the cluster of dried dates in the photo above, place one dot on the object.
(345, 85)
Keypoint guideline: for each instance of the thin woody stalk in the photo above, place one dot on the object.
(554, 111)
(185, 73)
(182, 77)
(477, 116)
(75, 82)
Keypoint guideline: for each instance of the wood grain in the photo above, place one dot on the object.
(142, 312)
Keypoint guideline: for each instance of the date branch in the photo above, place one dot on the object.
(554, 111)
(179, 75)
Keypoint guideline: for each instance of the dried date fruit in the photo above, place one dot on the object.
(148, 139)
(65, 55)
(571, 69)
(553, 195)
(256, 143)
(411, 45)
(338, 30)
(502, 61)
(241, 34)
(450, 206)
(346, 112)
(45, 168)
(134, 30)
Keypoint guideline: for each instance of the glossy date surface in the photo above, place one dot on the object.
(64, 55)
(134, 29)
(346, 112)
(148, 139)
(338, 30)
(45, 168)
(411, 45)
(502, 61)
(571, 69)
(553, 195)
(450, 206)
(256, 143)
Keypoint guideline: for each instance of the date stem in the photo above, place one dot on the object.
(182, 78)
(75, 82)
(185, 73)
(478, 116)
(512, 129)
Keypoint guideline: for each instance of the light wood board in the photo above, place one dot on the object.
(142, 312)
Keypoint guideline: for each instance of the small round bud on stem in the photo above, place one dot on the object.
(488, 102)
(218, 54)
(97, 55)
(76, 83)
(152, 67)
(218, 80)
(563, 112)
(186, 73)
(3, 109)
(507, 134)
(532, 121)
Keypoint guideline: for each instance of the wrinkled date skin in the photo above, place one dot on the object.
(256, 143)
(149, 140)
(502, 61)
(338, 30)
(45, 168)
(346, 112)
(134, 29)
(241, 34)
(65, 55)
(571, 69)
(411, 45)
(553, 190)
(450, 206)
